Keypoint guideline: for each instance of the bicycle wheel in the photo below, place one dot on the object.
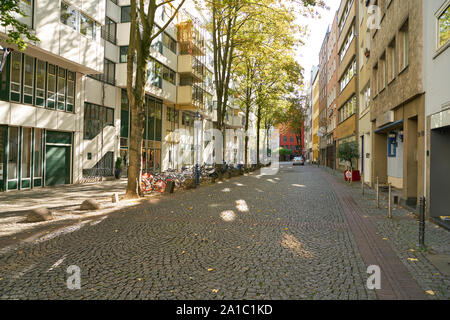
(160, 186)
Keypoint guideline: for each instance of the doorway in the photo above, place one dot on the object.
(57, 165)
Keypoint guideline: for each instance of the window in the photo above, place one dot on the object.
(77, 21)
(169, 75)
(375, 79)
(109, 73)
(444, 27)
(347, 110)
(71, 76)
(392, 60)
(404, 46)
(87, 26)
(346, 11)
(37, 161)
(382, 70)
(154, 73)
(169, 43)
(125, 14)
(40, 83)
(26, 153)
(109, 30)
(365, 98)
(123, 54)
(28, 79)
(172, 115)
(51, 86)
(348, 75)
(348, 41)
(69, 16)
(61, 88)
(95, 119)
(16, 76)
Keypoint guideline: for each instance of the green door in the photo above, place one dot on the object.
(57, 165)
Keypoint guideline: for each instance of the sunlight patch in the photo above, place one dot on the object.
(226, 190)
(228, 215)
(241, 205)
(292, 243)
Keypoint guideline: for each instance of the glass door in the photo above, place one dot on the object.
(37, 158)
(13, 158)
(25, 181)
(2, 157)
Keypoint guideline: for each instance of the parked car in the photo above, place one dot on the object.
(299, 161)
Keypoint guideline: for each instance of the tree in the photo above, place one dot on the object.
(348, 151)
(142, 34)
(265, 69)
(18, 32)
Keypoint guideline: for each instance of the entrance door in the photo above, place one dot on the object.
(57, 165)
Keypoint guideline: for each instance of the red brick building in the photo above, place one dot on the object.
(289, 140)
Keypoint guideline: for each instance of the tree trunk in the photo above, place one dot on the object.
(258, 126)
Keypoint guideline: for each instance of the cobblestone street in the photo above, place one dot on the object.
(301, 234)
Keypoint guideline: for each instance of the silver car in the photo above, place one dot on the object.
(299, 161)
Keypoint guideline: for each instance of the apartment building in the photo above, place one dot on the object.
(64, 112)
(397, 110)
(42, 97)
(332, 90)
(347, 102)
(323, 70)
(315, 113)
(364, 124)
(436, 62)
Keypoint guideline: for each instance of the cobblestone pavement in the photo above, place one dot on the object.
(252, 237)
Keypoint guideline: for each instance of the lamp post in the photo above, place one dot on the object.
(3, 56)
(197, 134)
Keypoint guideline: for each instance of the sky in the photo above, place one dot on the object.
(308, 55)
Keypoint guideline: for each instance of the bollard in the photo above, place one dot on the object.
(362, 183)
(389, 202)
(378, 194)
(422, 222)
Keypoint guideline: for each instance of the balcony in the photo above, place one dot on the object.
(190, 66)
(190, 39)
(191, 98)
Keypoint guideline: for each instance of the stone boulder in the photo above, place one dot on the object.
(39, 215)
(90, 205)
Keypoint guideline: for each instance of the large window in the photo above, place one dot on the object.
(77, 21)
(169, 75)
(109, 73)
(169, 43)
(16, 76)
(154, 73)
(41, 67)
(36, 82)
(348, 75)
(348, 41)
(95, 119)
(444, 27)
(404, 46)
(392, 61)
(28, 80)
(109, 30)
(51, 86)
(125, 14)
(123, 54)
(347, 110)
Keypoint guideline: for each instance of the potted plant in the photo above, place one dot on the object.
(118, 169)
(348, 151)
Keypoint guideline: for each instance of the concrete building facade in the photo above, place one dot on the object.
(347, 102)
(397, 110)
(436, 62)
(364, 124)
(64, 113)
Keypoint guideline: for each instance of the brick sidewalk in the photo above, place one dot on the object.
(394, 242)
